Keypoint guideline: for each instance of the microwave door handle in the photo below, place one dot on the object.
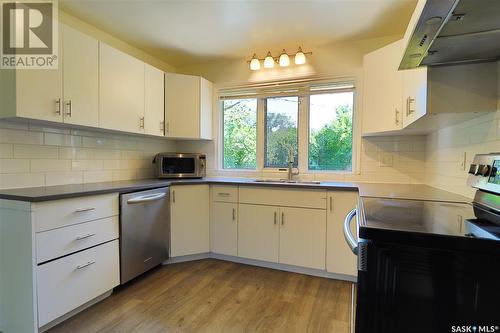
(146, 198)
(353, 244)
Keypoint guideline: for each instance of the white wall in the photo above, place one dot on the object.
(339, 60)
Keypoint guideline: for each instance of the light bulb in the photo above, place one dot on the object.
(269, 61)
(284, 59)
(300, 57)
(254, 63)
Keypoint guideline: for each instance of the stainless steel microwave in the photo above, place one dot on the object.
(179, 165)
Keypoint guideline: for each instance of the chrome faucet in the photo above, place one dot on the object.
(291, 159)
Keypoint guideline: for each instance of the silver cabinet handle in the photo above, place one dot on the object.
(146, 198)
(275, 218)
(141, 122)
(69, 109)
(81, 210)
(84, 236)
(88, 263)
(397, 116)
(223, 194)
(353, 244)
(331, 204)
(173, 196)
(410, 100)
(58, 106)
(168, 127)
(282, 218)
(234, 214)
(162, 126)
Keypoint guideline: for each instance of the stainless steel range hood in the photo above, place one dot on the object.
(454, 32)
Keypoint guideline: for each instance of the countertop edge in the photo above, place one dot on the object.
(386, 190)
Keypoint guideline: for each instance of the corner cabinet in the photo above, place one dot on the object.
(188, 107)
(189, 220)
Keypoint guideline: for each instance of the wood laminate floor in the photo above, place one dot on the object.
(219, 296)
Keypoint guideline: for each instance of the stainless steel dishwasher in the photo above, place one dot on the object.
(144, 231)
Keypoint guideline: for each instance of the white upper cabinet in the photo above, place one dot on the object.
(188, 107)
(81, 77)
(382, 102)
(154, 111)
(39, 94)
(121, 82)
(414, 95)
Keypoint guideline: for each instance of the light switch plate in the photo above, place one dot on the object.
(463, 161)
(385, 160)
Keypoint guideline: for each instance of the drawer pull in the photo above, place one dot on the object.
(88, 263)
(81, 210)
(224, 194)
(84, 236)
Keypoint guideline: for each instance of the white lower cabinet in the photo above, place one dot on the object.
(189, 220)
(258, 232)
(67, 283)
(224, 228)
(302, 237)
(285, 235)
(339, 257)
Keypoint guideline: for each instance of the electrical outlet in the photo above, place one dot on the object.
(386, 160)
(463, 161)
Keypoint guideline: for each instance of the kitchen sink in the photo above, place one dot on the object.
(286, 181)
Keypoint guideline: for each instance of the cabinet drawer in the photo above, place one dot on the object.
(62, 241)
(67, 283)
(277, 196)
(223, 193)
(60, 213)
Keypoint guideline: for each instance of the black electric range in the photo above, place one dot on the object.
(429, 266)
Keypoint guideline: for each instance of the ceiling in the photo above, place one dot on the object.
(192, 31)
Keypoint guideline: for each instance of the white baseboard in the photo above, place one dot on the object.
(75, 311)
(260, 263)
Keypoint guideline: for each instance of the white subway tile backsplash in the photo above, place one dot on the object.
(49, 165)
(39, 155)
(55, 139)
(20, 136)
(6, 150)
(82, 165)
(14, 180)
(76, 153)
(35, 151)
(14, 165)
(62, 178)
(97, 176)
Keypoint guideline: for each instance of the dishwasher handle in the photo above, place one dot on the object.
(353, 244)
(146, 198)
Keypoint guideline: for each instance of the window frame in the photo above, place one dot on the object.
(303, 130)
(221, 135)
(264, 101)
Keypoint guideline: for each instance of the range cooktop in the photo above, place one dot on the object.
(429, 217)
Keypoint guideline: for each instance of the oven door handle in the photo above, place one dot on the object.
(353, 244)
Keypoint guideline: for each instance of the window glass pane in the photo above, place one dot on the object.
(240, 134)
(330, 131)
(281, 116)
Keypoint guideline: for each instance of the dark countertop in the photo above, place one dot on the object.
(383, 190)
